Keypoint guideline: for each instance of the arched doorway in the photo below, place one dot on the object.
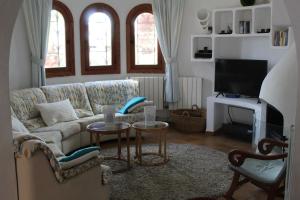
(294, 193)
(8, 188)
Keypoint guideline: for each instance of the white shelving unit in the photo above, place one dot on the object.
(281, 28)
(260, 17)
(199, 42)
(280, 22)
(222, 19)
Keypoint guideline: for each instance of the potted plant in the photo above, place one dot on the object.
(247, 2)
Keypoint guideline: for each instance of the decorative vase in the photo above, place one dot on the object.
(150, 115)
(247, 2)
(109, 114)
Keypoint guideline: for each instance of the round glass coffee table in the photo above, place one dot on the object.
(159, 128)
(99, 129)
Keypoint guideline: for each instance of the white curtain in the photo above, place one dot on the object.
(37, 15)
(168, 19)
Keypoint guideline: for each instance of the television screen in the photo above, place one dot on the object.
(240, 77)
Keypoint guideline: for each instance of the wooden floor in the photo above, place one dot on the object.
(219, 142)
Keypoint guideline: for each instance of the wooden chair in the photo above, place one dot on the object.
(266, 170)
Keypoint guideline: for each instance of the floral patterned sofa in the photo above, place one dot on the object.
(87, 99)
(37, 151)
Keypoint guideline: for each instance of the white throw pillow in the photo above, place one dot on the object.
(53, 113)
(17, 125)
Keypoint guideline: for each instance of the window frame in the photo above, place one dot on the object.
(69, 70)
(86, 69)
(130, 44)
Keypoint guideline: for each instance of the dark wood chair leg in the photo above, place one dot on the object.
(233, 187)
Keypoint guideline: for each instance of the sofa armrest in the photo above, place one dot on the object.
(82, 167)
(37, 180)
(30, 147)
(238, 157)
(19, 138)
(266, 146)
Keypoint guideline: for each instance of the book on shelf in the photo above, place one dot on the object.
(281, 38)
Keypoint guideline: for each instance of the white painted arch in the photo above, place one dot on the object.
(8, 187)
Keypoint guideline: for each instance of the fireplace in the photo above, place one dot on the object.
(275, 124)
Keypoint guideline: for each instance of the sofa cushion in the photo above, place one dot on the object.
(116, 92)
(53, 113)
(23, 104)
(35, 123)
(12, 113)
(76, 93)
(17, 126)
(50, 137)
(84, 122)
(67, 129)
(265, 171)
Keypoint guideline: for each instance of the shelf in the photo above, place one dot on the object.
(280, 47)
(202, 60)
(203, 36)
(199, 42)
(267, 5)
(244, 15)
(223, 20)
(243, 35)
(262, 18)
(289, 35)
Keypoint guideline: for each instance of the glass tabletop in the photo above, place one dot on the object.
(104, 127)
(150, 125)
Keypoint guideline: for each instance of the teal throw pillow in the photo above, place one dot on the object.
(79, 153)
(132, 102)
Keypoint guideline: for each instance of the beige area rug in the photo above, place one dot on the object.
(192, 172)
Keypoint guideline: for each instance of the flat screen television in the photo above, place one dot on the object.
(240, 77)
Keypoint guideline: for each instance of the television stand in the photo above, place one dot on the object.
(220, 93)
(258, 101)
(232, 95)
(216, 108)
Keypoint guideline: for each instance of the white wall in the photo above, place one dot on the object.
(8, 185)
(19, 62)
(294, 173)
(251, 48)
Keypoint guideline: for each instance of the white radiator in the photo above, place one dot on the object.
(190, 91)
(153, 89)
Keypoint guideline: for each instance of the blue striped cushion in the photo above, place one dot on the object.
(132, 102)
(79, 153)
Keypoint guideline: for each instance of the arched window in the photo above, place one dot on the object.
(100, 40)
(143, 51)
(60, 56)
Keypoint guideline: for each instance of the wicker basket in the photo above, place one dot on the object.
(189, 120)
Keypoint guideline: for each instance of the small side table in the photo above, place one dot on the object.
(159, 128)
(99, 129)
